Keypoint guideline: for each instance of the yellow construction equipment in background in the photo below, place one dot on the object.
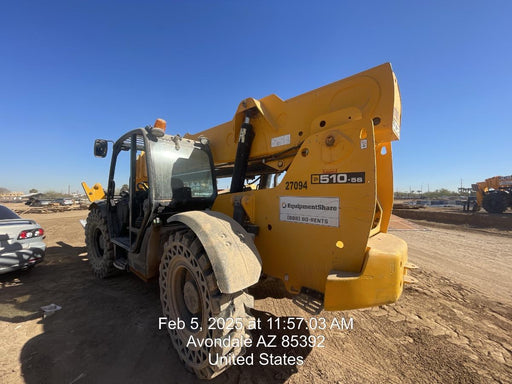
(494, 194)
(309, 203)
(95, 193)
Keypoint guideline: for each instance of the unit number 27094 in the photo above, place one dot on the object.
(295, 185)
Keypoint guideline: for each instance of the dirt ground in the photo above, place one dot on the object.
(455, 215)
(453, 326)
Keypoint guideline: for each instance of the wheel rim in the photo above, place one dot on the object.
(98, 243)
(186, 297)
(191, 296)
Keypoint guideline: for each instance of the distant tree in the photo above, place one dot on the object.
(52, 195)
(33, 190)
(437, 194)
(444, 191)
(440, 193)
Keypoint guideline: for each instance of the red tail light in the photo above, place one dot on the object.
(38, 232)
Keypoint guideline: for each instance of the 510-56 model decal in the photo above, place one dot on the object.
(338, 178)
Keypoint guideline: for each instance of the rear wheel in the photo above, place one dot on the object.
(100, 250)
(189, 293)
(496, 201)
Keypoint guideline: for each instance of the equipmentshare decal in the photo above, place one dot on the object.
(310, 210)
(338, 178)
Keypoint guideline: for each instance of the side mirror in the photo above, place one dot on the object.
(100, 148)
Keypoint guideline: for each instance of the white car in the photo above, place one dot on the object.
(21, 242)
(64, 201)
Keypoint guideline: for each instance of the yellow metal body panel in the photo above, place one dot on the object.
(302, 254)
(380, 281)
(343, 128)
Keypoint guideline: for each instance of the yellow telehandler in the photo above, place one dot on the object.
(309, 202)
(494, 194)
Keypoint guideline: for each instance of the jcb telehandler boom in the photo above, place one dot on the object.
(309, 202)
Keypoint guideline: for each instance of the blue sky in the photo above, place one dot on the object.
(73, 71)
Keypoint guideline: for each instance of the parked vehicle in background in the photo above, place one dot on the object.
(65, 201)
(38, 202)
(21, 242)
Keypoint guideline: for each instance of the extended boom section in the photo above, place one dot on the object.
(318, 192)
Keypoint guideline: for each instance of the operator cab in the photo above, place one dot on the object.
(153, 176)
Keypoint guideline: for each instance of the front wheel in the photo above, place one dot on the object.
(100, 251)
(210, 325)
(496, 201)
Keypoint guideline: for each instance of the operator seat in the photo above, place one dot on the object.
(179, 191)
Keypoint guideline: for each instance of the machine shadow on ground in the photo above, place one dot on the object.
(107, 330)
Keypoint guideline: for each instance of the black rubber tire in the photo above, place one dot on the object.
(496, 201)
(185, 260)
(100, 251)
